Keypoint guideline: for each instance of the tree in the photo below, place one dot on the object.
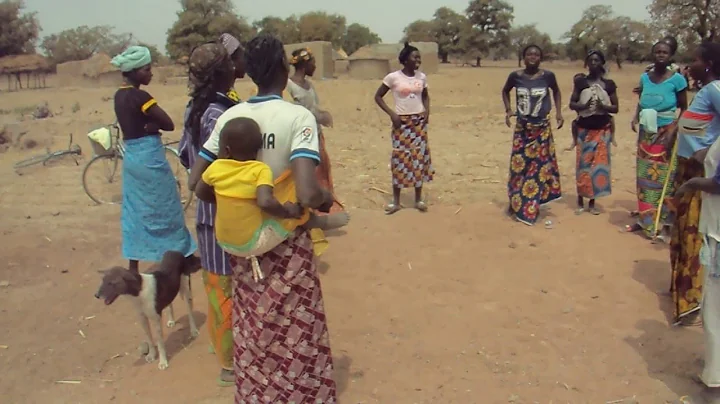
(691, 21)
(357, 36)
(620, 38)
(286, 30)
(83, 42)
(202, 21)
(447, 25)
(419, 31)
(492, 20)
(525, 35)
(18, 33)
(321, 26)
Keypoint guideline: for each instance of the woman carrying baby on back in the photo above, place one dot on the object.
(250, 219)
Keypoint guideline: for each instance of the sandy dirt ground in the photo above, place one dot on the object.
(460, 305)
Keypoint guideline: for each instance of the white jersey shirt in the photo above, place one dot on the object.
(289, 131)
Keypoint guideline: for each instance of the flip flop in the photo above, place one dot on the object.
(421, 206)
(391, 208)
(630, 228)
(595, 211)
(579, 211)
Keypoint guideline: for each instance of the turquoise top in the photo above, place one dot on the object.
(662, 97)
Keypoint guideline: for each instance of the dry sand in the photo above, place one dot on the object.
(460, 305)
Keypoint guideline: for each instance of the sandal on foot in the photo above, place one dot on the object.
(226, 383)
(631, 228)
(634, 213)
(579, 211)
(391, 208)
(421, 206)
(595, 211)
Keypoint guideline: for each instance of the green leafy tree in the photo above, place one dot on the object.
(201, 21)
(357, 36)
(447, 26)
(419, 31)
(321, 26)
(285, 29)
(18, 31)
(83, 42)
(692, 21)
(491, 21)
(525, 35)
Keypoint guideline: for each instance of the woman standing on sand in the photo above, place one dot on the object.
(282, 346)
(152, 216)
(702, 120)
(594, 98)
(534, 175)
(410, 162)
(211, 74)
(303, 93)
(698, 129)
(662, 93)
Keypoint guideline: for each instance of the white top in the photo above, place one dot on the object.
(289, 131)
(710, 210)
(306, 97)
(407, 91)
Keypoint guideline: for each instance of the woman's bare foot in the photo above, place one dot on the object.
(328, 222)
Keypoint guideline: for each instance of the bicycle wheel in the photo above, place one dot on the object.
(102, 179)
(31, 161)
(181, 176)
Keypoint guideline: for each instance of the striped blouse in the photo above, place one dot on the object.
(213, 257)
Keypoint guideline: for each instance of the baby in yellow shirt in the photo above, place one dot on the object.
(250, 220)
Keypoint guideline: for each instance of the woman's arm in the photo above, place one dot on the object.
(574, 98)
(426, 103)
(380, 101)
(557, 97)
(509, 85)
(309, 192)
(614, 106)
(158, 116)
(709, 185)
(682, 101)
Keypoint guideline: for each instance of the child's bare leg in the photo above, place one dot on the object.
(327, 222)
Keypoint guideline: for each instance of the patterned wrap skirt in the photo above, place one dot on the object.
(686, 243)
(152, 217)
(534, 178)
(592, 166)
(219, 293)
(410, 162)
(282, 346)
(655, 172)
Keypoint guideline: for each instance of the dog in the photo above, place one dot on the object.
(152, 292)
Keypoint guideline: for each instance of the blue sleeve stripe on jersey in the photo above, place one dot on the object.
(207, 155)
(306, 153)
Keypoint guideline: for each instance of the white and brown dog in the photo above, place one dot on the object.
(152, 292)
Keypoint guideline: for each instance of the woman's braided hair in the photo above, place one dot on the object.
(214, 65)
(264, 59)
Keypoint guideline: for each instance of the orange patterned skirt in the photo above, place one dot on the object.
(219, 292)
(687, 272)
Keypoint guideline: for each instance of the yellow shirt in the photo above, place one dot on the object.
(239, 220)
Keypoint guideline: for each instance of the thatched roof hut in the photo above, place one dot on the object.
(23, 63)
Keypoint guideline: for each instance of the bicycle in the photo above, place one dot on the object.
(72, 150)
(111, 159)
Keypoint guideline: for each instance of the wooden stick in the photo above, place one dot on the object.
(379, 190)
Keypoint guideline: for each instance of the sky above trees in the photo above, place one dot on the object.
(150, 20)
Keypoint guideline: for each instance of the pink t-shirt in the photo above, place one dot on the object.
(407, 91)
